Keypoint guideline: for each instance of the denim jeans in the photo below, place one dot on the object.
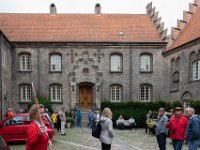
(78, 123)
(121, 126)
(177, 144)
(193, 145)
(161, 139)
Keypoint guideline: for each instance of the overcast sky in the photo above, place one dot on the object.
(170, 10)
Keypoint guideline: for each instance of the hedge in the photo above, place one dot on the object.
(196, 105)
(46, 101)
(137, 109)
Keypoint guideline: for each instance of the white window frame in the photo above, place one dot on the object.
(56, 93)
(25, 62)
(145, 93)
(116, 93)
(55, 62)
(3, 57)
(196, 70)
(116, 63)
(25, 93)
(145, 63)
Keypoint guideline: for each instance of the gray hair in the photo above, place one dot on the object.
(190, 109)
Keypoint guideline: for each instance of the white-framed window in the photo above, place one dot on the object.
(186, 104)
(116, 93)
(145, 93)
(145, 63)
(55, 62)
(196, 70)
(55, 92)
(116, 63)
(3, 57)
(26, 92)
(25, 62)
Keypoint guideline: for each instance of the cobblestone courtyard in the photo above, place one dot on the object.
(81, 139)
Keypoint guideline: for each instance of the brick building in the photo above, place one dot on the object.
(88, 58)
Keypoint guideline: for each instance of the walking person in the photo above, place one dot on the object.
(63, 120)
(177, 126)
(37, 136)
(107, 134)
(90, 114)
(193, 130)
(148, 117)
(78, 118)
(161, 129)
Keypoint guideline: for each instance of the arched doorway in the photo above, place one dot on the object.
(86, 95)
(186, 97)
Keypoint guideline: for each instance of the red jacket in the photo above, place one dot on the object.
(35, 139)
(177, 127)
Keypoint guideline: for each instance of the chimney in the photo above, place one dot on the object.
(52, 9)
(97, 9)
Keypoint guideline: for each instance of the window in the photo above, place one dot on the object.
(186, 104)
(116, 93)
(14, 121)
(145, 93)
(116, 63)
(25, 93)
(25, 62)
(176, 77)
(196, 70)
(55, 91)
(55, 63)
(3, 56)
(145, 63)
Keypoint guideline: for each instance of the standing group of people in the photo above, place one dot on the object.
(180, 129)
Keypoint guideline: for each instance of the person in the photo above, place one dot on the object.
(177, 126)
(148, 117)
(10, 113)
(78, 118)
(120, 121)
(107, 134)
(37, 136)
(161, 129)
(193, 130)
(131, 122)
(45, 121)
(63, 120)
(58, 122)
(45, 116)
(90, 114)
(21, 111)
(54, 119)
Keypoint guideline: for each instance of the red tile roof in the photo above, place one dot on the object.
(189, 33)
(78, 28)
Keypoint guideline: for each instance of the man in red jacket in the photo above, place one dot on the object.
(177, 126)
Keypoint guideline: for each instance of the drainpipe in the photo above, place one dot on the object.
(1, 98)
(130, 77)
(38, 66)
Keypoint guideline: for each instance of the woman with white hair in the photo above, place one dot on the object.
(106, 123)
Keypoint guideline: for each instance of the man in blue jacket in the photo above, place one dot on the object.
(193, 130)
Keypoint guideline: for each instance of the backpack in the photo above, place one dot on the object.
(96, 130)
(58, 118)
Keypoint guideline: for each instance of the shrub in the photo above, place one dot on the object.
(137, 109)
(46, 101)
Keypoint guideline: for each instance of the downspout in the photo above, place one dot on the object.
(1, 96)
(38, 64)
(130, 77)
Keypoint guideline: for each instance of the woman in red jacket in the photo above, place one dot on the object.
(37, 137)
(177, 126)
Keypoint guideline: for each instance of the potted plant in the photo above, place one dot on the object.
(69, 121)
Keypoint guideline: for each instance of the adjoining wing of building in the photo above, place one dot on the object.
(89, 58)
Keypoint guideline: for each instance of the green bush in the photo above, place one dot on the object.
(46, 101)
(137, 109)
(196, 105)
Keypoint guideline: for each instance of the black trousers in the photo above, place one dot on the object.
(105, 146)
(161, 139)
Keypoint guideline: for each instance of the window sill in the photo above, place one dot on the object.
(24, 102)
(195, 81)
(143, 101)
(55, 71)
(57, 102)
(146, 72)
(116, 71)
(21, 71)
(174, 90)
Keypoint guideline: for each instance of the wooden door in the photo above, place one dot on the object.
(86, 96)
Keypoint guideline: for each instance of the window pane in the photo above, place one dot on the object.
(145, 63)
(116, 63)
(116, 93)
(196, 70)
(55, 63)
(145, 93)
(25, 93)
(25, 62)
(56, 93)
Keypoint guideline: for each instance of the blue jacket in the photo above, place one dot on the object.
(160, 126)
(193, 129)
